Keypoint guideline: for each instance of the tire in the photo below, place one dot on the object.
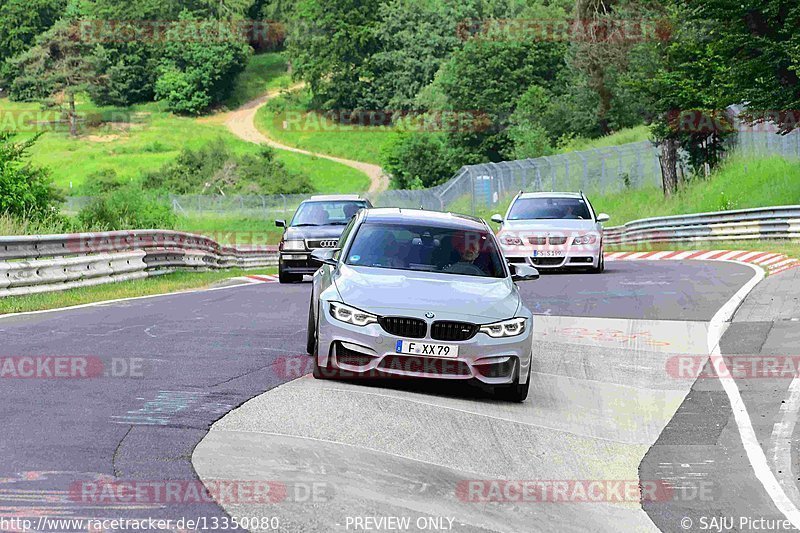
(516, 392)
(311, 336)
(601, 266)
(285, 277)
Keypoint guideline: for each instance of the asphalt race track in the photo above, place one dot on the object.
(601, 397)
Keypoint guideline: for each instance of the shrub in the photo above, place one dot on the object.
(196, 73)
(26, 191)
(418, 160)
(128, 207)
(214, 169)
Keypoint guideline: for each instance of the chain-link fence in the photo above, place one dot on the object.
(478, 188)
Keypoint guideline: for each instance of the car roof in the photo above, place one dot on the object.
(397, 215)
(551, 195)
(336, 198)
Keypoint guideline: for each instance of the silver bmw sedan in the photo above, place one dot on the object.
(413, 293)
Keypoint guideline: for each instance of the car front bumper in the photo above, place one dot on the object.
(370, 351)
(297, 263)
(566, 256)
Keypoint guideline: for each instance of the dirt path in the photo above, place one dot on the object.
(241, 122)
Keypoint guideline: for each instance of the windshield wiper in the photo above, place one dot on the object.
(304, 225)
(338, 223)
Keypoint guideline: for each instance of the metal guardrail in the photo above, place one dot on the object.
(44, 263)
(781, 222)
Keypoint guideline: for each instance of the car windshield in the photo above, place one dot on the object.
(427, 249)
(333, 213)
(549, 208)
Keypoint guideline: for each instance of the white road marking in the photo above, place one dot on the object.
(781, 442)
(106, 302)
(755, 454)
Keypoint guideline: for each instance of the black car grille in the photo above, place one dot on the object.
(453, 331)
(313, 244)
(424, 365)
(557, 241)
(547, 261)
(496, 370)
(350, 357)
(413, 328)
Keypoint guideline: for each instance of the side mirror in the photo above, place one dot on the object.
(520, 272)
(325, 256)
(280, 223)
(602, 217)
(497, 218)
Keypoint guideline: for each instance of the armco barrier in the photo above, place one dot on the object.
(742, 224)
(44, 263)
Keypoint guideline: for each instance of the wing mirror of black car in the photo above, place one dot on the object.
(280, 223)
(325, 256)
(520, 272)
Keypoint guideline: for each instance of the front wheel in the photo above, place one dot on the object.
(601, 265)
(311, 336)
(516, 392)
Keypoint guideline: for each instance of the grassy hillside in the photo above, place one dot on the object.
(739, 183)
(286, 121)
(142, 138)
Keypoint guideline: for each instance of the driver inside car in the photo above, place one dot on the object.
(468, 246)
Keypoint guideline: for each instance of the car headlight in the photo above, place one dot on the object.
(506, 328)
(294, 246)
(510, 240)
(351, 315)
(585, 239)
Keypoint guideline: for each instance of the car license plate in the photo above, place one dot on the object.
(548, 253)
(426, 348)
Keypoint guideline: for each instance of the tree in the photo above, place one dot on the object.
(25, 190)
(690, 89)
(760, 44)
(488, 77)
(199, 70)
(59, 63)
(329, 45)
(21, 21)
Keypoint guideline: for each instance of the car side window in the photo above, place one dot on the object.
(343, 239)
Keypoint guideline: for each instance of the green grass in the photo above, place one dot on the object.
(740, 183)
(233, 230)
(167, 283)
(624, 136)
(263, 73)
(312, 132)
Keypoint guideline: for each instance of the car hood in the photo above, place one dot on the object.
(450, 297)
(549, 225)
(313, 232)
